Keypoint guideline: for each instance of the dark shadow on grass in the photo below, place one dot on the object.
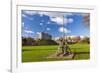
(81, 52)
(78, 53)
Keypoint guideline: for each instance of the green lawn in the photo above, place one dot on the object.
(40, 53)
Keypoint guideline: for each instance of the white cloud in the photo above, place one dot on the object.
(37, 32)
(81, 36)
(30, 12)
(64, 30)
(23, 24)
(61, 20)
(48, 22)
(54, 14)
(24, 15)
(50, 14)
(57, 17)
(29, 31)
(58, 20)
(70, 20)
(48, 29)
(41, 24)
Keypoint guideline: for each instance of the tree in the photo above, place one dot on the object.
(24, 41)
(28, 41)
(85, 40)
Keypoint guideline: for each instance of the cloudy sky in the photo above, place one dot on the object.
(54, 23)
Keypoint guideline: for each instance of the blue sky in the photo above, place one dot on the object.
(52, 22)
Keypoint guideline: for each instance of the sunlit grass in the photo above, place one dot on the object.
(40, 53)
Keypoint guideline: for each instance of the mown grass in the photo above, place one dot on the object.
(40, 53)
